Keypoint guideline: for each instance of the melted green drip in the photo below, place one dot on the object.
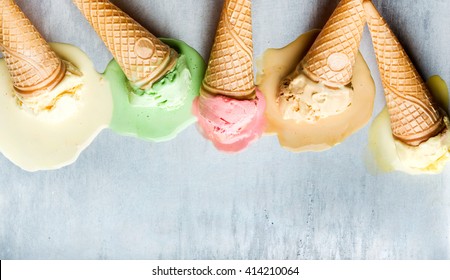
(154, 124)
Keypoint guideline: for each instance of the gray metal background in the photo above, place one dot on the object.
(128, 199)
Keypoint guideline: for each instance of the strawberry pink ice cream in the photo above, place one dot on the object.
(231, 124)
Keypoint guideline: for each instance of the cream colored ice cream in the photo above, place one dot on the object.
(417, 123)
(42, 101)
(327, 132)
(54, 137)
(321, 85)
(430, 157)
(52, 101)
(302, 99)
(319, 89)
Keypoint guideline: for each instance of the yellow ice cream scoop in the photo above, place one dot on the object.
(418, 139)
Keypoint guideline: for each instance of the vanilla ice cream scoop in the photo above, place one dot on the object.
(418, 125)
(302, 99)
(52, 101)
(321, 84)
(41, 101)
(35, 69)
(392, 154)
(431, 155)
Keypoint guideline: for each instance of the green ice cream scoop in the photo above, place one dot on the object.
(168, 93)
(162, 111)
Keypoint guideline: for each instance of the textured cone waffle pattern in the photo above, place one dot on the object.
(414, 116)
(230, 67)
(142, 56)
(333, 54)
(32, 64)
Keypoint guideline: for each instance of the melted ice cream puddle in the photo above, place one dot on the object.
(132, 117)
(323, 133)
(37, 139)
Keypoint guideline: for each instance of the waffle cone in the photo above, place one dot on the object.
(414, 116)
(332, 56)
(230, 67)
(143, 57)
(31, 62)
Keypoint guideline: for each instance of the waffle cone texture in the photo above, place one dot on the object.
(230, 67)
(414, 116)
(143, 57)
(31, 62)
(333, 55)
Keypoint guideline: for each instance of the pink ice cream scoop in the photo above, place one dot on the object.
(231, 124)
(230, 110)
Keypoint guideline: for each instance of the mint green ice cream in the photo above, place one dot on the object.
(170, 92)
(160, 113)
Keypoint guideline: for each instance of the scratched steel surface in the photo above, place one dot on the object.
(128, 199)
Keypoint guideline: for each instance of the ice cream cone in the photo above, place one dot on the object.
(332, 56)
(414, 116)
(142, 56)
(32, 64)
(230, 68)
